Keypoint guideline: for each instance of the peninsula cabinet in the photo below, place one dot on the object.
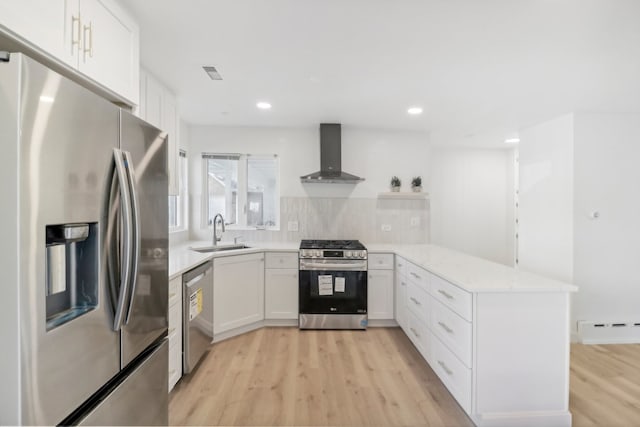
(238, 291)
(96, 38)
(502, 349)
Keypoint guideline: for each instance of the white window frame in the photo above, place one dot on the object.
(182, 211)
(243, 184)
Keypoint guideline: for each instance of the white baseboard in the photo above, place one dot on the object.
(281, 322)
(237, 331)
(381, 323)
(524, 419)
(376, 323)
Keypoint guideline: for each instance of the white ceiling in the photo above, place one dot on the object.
(480, 69)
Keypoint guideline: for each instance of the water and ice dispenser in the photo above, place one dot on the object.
(72, 266)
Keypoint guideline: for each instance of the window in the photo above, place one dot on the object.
(179, 205)
(244, 188)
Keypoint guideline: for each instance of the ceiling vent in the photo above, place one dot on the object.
(212, 72)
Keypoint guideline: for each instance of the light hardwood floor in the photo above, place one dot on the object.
(605, 385)
(287, 377)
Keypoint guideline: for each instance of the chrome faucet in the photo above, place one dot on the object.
(216, 239)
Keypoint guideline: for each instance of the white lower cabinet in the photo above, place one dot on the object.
(380, 302)
(418, 333)
(401, 299)
(281, 286)
(453, 373)
(238, 291)
(175, 331)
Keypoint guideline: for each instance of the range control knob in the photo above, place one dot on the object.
(362, 254)
(348, 254)
(318, 254)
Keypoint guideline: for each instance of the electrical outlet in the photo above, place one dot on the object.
(386, 227)
(292, 226)
(415, 221)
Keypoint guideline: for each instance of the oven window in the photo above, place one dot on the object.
(339, 292)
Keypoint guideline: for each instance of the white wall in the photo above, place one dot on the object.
(472, 201)
(373, 154)
(577, 165)
(546, 199)
(607, 249)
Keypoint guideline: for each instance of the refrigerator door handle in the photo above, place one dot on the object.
(127, 235)
(135, 217)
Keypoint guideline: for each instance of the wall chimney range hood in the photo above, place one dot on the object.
(330, 159)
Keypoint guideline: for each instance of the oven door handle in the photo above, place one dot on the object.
(319, 266)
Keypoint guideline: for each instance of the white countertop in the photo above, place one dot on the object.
(182, 258)
(468, 272)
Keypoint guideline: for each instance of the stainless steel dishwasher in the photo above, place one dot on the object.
(197, 297)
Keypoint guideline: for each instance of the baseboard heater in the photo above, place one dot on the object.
(591, 332)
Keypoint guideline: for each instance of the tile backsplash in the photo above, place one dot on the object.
(407, 221)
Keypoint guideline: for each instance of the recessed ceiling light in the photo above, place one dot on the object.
(512, 140)
(263, 105)
(414, 111)
(47, 99)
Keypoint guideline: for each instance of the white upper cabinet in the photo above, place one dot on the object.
(95, 37)
(159, 107)
(110, 45)
(43, 24)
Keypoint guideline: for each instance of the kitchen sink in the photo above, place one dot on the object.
(219, 248)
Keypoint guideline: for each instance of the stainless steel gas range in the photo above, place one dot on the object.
(333, 284)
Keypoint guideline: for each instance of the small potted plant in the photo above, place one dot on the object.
(416, 184)
(395, 183)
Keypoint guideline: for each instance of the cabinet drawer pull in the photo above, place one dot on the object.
(399, 265)
(444, 366)
(445, 327)
(415, 333)
(74, 27)
(89, 29)
(415, 301)
(415, 275)
(171, 295)
(403, 284)
(446, 295)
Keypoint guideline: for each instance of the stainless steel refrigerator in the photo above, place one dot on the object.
(83, 253)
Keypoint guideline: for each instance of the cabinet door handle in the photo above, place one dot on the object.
(445, 327)
(403, 284)
(399, 265)
(75, 25)
(88, 28)
(444, 366)
(415, 301)
(415, 275)
(446, 295)
(415, 333)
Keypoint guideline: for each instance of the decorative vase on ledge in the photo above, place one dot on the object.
(416, 184)
(395, 184)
